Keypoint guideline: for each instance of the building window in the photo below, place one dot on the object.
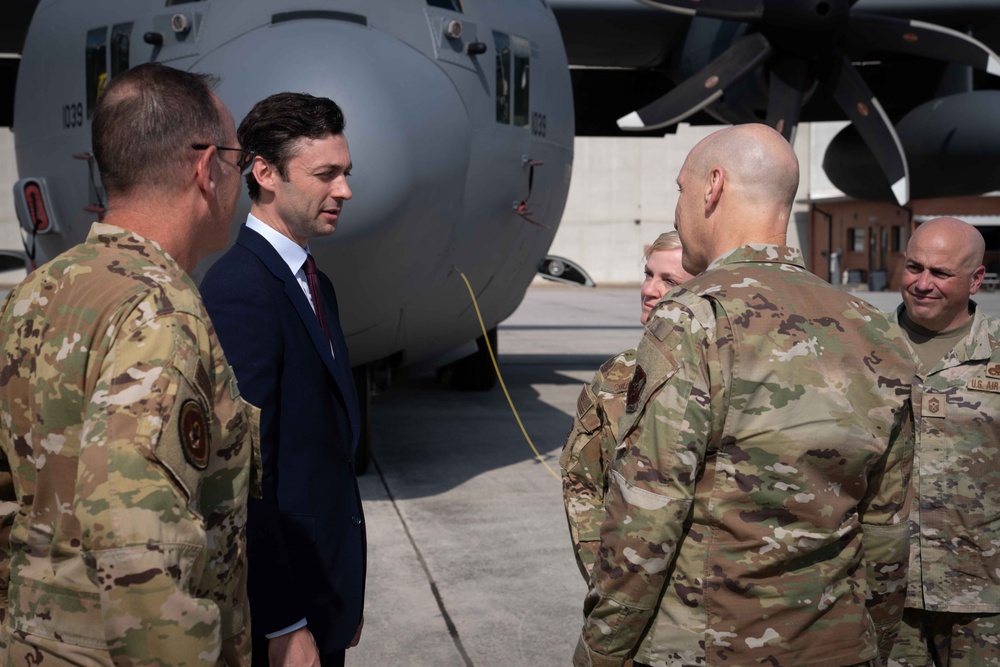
(97, 66)
(900, 237)
(856, 239)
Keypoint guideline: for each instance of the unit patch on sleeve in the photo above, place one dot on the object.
(194, 433)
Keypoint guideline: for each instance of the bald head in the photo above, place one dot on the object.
(943, 269)
(955, 237)
(760, 165)
(737, 187)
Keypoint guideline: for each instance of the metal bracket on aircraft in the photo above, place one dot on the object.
(521, 207)
(562, 270)
(97, 208)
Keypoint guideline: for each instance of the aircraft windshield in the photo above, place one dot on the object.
(453, 5)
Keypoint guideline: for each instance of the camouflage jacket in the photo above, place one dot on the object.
(955, 517)
(588, 453)
(766, 436)
(125, 463)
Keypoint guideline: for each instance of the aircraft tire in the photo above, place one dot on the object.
(474, 372)
(363, 383)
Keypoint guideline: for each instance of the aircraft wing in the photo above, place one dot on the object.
(626, 54)
(639, 67)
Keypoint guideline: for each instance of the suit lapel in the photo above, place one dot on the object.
(338, 367)
(346, 379)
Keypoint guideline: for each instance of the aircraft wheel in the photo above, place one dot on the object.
(474, 372)
(363, 383)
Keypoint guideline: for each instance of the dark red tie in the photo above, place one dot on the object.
(317, 297)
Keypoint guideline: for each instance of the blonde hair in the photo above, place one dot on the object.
(665, 241)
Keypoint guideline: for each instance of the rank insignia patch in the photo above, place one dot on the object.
(194, 434)
(934, 405)
(635, 389)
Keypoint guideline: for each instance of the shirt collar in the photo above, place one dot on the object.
(291, 252)
(760, 252)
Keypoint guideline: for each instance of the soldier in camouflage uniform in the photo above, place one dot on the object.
(590, 447)
(952, 616)
(125, 448)
(756, 513)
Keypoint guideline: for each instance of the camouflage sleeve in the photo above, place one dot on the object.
(144, 542)
(885, 522)
(584, 476)
(664, 438)
(8, 510)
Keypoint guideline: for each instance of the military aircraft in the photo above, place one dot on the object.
(461, 119)
(917, 78)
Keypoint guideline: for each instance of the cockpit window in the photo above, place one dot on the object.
(502, 44)
(453, 5)
(121, 36)
(522, 72)
(97, 66)
(171, 3)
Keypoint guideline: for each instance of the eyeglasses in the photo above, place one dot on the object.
(243, 162)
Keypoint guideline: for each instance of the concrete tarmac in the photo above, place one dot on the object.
(470, 561)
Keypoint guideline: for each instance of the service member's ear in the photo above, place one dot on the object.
(977, 279)
(713, 188)
(206, 170)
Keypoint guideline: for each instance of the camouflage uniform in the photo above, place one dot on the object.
(125, 463)
(588, 453)
(767, 429)
(955, 518)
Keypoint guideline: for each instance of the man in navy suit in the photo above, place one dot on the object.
(277, 319)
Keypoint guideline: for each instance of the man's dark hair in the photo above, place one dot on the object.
(275, 123)
(144, 125)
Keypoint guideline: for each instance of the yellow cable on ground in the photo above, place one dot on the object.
(506, 393)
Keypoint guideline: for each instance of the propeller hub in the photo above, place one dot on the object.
(805, 27)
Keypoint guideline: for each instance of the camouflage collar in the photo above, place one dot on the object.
(983, 338)
(101, 233)
(758, 253)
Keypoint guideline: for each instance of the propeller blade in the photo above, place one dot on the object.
(872, 123)
(705, 87)
(730, 10)
(922, 39)
(784, 105)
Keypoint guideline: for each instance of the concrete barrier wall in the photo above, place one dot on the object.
(623, 194)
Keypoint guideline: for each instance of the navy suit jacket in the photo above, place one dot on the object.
(306, 536)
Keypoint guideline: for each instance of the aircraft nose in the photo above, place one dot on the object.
(409, 134)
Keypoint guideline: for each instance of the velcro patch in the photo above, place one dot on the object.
(635, 388)
(193, 424)
(993, 371)
(983, 384)
(584, 402)
(934, 405)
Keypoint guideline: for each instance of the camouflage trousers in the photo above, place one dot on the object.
(944, 639)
